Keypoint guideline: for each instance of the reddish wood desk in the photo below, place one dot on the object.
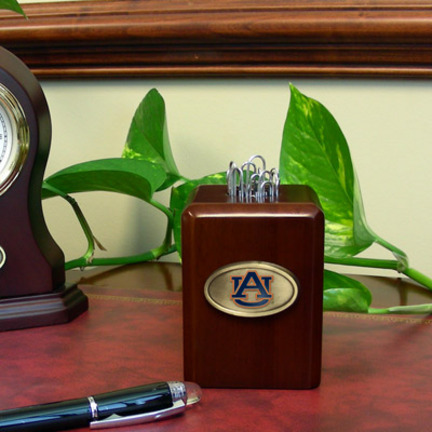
(376, 369)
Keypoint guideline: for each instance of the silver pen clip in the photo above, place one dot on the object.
(116, 420)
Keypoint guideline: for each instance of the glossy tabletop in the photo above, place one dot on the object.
(375, 375)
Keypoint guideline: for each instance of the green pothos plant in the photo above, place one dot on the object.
(314, 152)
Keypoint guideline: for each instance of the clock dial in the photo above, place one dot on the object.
(14, 138)
(2, 257)
(5, 139)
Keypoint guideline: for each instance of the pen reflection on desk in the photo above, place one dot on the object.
(126, 407)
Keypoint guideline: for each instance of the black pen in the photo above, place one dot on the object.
(114, 409)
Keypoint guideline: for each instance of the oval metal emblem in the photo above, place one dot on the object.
(251, 289)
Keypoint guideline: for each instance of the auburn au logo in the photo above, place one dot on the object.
(251, 290)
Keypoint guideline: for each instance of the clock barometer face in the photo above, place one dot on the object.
(33, 291)
(14, 138)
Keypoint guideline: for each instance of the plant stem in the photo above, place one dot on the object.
(419, 277)
(165, 249)
(167, 211)
(132, 259)
(364, 262)
(400, 255)
(81, 218)
(87, 231)
(425, 308)
(413, 274)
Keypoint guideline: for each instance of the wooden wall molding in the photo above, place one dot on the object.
(233, 38)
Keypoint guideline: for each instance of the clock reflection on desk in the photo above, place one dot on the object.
(32, 276)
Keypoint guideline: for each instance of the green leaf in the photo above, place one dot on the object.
(180, 198)
(315, 152)
(148, 137)
(132, 177)
(341, 293)
(12, 5)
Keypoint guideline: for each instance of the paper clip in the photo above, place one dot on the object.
(252, 183)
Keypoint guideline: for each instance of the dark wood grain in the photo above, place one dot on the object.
(136, 38)
(32, 276)
(278, 351)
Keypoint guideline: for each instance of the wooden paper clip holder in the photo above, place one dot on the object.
(252, 287)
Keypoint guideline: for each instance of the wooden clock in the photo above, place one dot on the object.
(32, 276)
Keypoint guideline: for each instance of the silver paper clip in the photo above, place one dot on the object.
(252, 182)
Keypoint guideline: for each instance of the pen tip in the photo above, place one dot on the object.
(193, 392)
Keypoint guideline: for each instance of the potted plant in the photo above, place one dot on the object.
(314, 151)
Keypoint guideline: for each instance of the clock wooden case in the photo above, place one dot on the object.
(32, 276)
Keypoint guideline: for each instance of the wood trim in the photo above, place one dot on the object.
(207, 38)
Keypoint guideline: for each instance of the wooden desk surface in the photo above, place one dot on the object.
(386, 291)
(375, 377)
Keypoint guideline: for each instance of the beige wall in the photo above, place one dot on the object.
(387, 123)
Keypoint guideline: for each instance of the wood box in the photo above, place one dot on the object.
(252, 290)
